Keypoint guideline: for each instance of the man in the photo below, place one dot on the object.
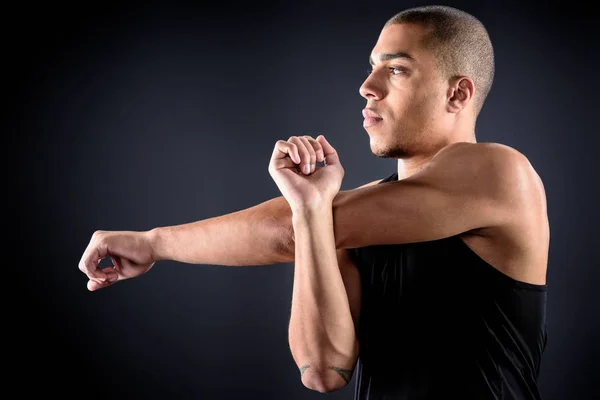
(428, 283)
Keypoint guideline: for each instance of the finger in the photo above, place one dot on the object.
(311, 151)
(93, 254)
(317, 147)
(304, 154)
(284, 149)
(331, 155)
(283, 163)
(113, 273)
(95, 285)
(112, 277)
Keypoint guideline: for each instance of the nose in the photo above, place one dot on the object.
(370, 89)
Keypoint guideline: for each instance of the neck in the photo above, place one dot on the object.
(413, 164)
(409, 166)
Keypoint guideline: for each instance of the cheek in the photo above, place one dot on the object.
(414, 105)
(427, 104)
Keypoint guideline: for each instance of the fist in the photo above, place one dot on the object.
(294, 170)
(131, 254)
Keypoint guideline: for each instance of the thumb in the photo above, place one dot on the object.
(331, 155)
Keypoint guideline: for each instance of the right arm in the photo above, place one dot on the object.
(259, 235)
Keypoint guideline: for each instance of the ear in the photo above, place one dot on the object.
(460, 93)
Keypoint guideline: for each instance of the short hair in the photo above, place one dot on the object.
(459, 42)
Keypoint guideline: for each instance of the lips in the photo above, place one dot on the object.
(368, 113)
(371, 117)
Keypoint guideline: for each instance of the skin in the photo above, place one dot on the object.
(422, 110)
(486, 193)
(428, 124)
(320, 310)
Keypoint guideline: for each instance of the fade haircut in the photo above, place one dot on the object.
(458, 41)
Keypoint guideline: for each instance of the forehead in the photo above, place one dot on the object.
(406, 38)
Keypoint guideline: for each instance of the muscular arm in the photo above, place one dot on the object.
(259, 235)
(322, 330)
(465, 187)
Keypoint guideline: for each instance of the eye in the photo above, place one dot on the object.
(397, 70)
(393, 70)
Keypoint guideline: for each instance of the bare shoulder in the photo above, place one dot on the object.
(498, 168)
(518, 247)
(499, 156)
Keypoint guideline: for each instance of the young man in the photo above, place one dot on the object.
(428, 283)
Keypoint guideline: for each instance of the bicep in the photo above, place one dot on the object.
(464, 189)
(396, 213)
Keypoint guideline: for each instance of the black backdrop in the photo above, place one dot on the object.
(130, 116)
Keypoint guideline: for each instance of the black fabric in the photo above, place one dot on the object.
(438, 322)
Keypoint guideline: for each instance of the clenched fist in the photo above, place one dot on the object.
(301, 182)
(131, 254)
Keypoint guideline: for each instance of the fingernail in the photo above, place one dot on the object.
(307, 169)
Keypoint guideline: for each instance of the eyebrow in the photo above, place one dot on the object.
(387, 56)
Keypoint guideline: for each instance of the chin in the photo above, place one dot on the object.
(385, 149)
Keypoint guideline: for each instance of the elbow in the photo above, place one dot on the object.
(282, 232)
(324, 381)
(286, 244)
(321, 385)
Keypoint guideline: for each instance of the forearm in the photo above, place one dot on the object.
(259, 235)
(321, 331)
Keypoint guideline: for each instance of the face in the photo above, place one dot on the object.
(407, 91)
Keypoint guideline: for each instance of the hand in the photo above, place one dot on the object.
(312, 187)
(130, 252)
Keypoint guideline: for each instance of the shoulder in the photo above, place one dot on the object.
(498, 182)
(494, 168)
(496, 155)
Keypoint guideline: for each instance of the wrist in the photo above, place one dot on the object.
(155, 238)
(310, 211)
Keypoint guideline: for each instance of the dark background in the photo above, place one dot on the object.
(129, 116)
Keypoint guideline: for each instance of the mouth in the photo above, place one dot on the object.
(371, 118)
(370, 121)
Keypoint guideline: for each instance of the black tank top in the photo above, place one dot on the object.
(438, 322)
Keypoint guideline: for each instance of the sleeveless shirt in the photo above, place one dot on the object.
(438, 322)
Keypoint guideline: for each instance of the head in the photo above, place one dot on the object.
(431, 70)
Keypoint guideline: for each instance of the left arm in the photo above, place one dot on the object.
(321, 331)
